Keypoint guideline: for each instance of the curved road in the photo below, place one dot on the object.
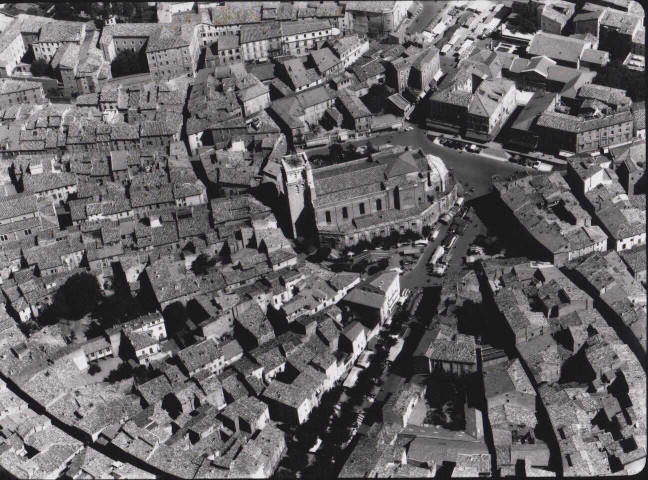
(470, 168)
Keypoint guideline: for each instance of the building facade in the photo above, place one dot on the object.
(301, 37)
(376, 19)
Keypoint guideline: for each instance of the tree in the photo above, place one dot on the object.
(337, 153)
(376, 98)
(362, 245)
(361, 266)
(63, 11)
(83, 294)
(427, 230)
(128, 63)
(123, 9)
(40, 68)
(383, 263)
(393, 238)
(615, 75)
(376, 242)
(94, 330)
(527, 20)
(202, 264)
(94, 368)
(122, 372)
(119, 307)
(143, 13)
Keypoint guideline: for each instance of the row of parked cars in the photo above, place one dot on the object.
(459, 145)
(525, 161)
(461, 219)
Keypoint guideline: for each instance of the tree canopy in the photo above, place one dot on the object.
(527, 19)
(41, 68)
(616, 75)
(128, 63)
(78, 296)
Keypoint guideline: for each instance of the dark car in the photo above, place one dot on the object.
(453, 228)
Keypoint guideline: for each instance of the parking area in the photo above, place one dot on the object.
(465, 227)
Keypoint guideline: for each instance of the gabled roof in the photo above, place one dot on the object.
(403, 164)
(557, 47)
(539, 65)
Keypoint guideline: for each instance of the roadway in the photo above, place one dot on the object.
(431, 11)
(421, 277)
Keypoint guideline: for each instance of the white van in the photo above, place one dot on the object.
(434, 234)
(460, 201)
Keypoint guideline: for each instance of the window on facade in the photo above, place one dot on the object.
(362, 209)
(345, 213)
(328, 216)
(379, 205)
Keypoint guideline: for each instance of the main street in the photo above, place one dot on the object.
(431, 10)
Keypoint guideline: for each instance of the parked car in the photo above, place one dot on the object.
(409, 129)
(434, 234)
(449, 241)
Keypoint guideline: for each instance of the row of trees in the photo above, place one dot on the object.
(132, 12)
(388, 242)
(337, 154)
